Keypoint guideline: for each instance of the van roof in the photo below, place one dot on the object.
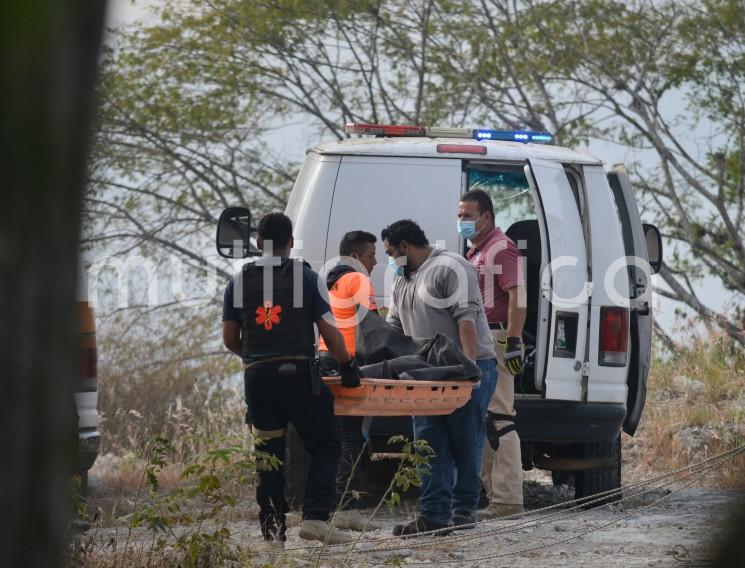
(427, 147)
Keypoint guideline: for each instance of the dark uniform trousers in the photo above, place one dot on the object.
(279, 392)
(352, 442)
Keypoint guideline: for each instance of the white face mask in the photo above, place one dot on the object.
(398, 270)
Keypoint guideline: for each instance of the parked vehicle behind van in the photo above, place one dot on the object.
(589, 320)
(86, 389)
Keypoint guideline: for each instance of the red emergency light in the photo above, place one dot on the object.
(385, 129)
(393, 130)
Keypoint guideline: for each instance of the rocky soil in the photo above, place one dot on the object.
(660, 528)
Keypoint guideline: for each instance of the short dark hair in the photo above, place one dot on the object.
(481, 199)
(354, 241)
(404, 230)
(276, 227)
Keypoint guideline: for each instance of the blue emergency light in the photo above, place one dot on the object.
(513, 136)
(397, 130)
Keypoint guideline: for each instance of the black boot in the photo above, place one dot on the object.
(421, 525)
(273, 526)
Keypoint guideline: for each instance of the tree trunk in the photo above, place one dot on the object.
(48, 66)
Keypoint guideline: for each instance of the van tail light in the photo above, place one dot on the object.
(87, 329)
(614, 336)
(88, 362)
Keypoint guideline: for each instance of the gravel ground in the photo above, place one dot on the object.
(659, 529)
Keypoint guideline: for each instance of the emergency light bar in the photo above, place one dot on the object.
(393, 130)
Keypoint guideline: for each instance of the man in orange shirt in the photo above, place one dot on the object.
(351, 296)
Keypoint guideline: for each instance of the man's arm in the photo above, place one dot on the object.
(468, 339)
(391, 317)
(231, 317)
(334, 341)
(231, 336)
(516, 311)
(466, 309)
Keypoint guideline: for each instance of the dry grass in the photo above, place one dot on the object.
(695, 409)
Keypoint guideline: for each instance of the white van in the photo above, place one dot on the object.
(576, 224)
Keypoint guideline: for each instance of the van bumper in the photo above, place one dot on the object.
(89, 442)
(540, 420)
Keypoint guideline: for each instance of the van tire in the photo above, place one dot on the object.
(588, 482)
(562, 478)
(297, 464)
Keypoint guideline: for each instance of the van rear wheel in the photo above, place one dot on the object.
(562, 478)
(589, 482)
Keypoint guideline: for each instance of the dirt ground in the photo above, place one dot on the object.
(668, 526)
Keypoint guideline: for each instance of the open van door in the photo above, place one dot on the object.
(640, 286)
(563, 313)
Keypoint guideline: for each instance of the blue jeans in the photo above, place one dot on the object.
(453, 483)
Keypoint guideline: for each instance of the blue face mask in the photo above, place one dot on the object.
(397, 270)
(467, 229)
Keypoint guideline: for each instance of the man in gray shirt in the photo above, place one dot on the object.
(436, 291)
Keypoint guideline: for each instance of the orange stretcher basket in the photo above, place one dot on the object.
(389, 397)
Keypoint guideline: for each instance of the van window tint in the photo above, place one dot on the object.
(509, 191)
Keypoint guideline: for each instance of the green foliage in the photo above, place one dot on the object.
(414, 464)
(191, 98)
(177, 518)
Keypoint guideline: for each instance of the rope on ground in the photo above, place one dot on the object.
(691, 479)
(705, 466)
(570, 512)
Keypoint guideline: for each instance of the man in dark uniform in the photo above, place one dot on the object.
(268, 316)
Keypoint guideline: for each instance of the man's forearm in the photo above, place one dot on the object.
(231, 336)
(334, 341)
(337, 348)
(516, 311)
(468, 339)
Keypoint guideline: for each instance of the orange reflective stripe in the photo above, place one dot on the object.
(351, 290)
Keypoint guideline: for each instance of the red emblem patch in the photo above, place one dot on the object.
(268, 316)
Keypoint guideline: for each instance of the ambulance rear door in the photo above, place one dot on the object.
(564, 289)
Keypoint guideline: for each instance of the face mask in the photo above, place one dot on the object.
(397, 270)
(467, 229)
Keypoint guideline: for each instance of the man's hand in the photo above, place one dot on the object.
(350, 374)
(513, 355)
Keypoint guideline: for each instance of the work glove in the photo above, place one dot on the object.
(513, 355)
(350, 374)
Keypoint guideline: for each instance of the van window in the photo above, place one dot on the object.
(509, 190)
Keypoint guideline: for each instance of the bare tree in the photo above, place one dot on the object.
(190, 99)
(691, 52)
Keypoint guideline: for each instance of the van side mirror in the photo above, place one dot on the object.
(234, 233)
(654, 247)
